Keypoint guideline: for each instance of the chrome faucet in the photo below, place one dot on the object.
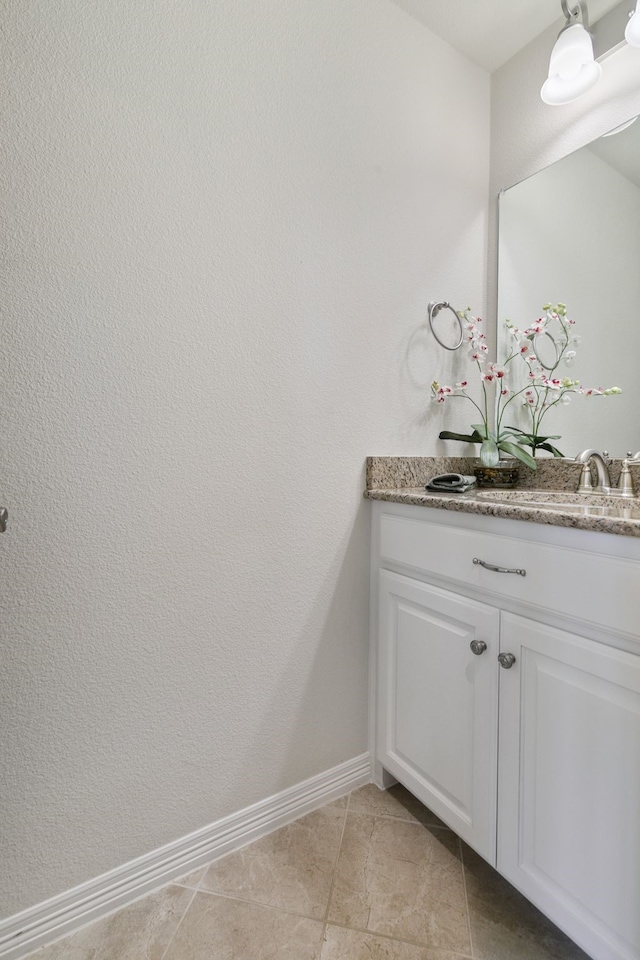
(603, 484)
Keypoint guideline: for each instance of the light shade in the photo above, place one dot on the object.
(632, 31)
(572, 68)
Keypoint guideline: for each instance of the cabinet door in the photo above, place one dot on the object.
(569, 783)
(437, 703)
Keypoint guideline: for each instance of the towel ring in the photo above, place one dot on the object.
(434, 310)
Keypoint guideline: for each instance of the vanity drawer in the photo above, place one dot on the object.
(579, 583)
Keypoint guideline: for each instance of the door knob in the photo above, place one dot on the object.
(506, 660)
(478, 647)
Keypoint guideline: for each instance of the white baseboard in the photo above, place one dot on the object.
(62, 915)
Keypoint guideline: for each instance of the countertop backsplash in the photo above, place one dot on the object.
(385, 473)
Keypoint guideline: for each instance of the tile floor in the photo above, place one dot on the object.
(374, 876)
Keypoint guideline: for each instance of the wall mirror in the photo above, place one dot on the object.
(571, 234)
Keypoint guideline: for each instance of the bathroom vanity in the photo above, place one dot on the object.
(506, 697)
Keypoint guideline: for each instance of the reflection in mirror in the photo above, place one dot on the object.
(571, 234)
(546, 349)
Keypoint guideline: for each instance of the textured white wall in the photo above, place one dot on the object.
(224, 223)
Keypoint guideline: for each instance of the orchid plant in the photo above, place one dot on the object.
(542, 389)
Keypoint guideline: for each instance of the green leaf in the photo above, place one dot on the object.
(489, 455)
(463, 437)
(515, 450)
(481, 430)
(506, 432)
(535, 438)
(550, 449)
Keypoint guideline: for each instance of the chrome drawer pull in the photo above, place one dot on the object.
(491, 566)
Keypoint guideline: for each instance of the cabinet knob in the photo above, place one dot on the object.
(506, 660)
(478, 647)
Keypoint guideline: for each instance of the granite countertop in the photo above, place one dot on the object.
(549, 493)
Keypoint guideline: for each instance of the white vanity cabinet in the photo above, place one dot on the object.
(536, 763)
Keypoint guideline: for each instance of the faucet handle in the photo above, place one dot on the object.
(586, 479)
(625, 483)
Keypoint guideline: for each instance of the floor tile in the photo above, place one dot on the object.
(504, 924)
(401, 879)
(141, 931)
(396, 802)
(343, 944)
(398, 894)
(216, 928)
(290, 869)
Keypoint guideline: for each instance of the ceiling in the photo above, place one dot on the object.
(490, 32)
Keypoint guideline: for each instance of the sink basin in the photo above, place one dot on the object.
(582, 504)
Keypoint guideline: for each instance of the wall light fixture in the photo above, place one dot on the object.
(573, 69)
